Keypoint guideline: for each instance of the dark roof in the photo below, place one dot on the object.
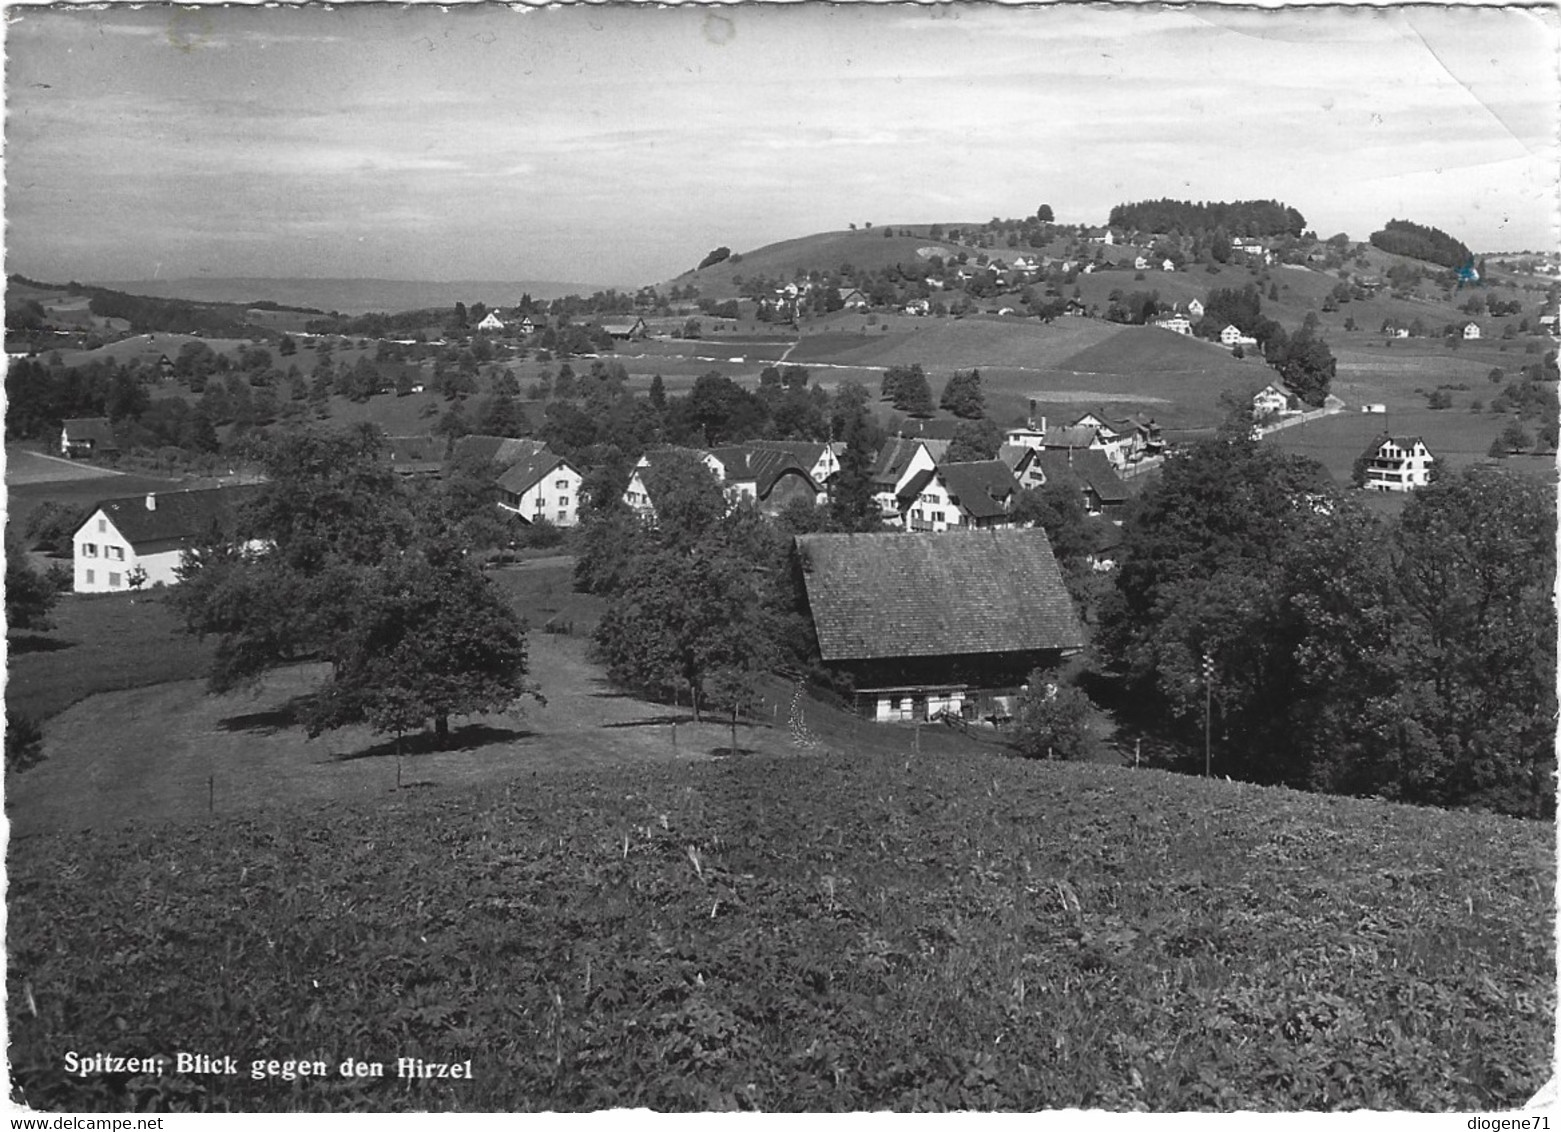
(897, 453)
(523, 475)
(979, 487)
(807, 452)
(1089, 466)
(762, 465)
(95, 429)
(1070, 436)
(893, 595)
(176, 517)
(497, 449)
(1015, 456)
(913, 486)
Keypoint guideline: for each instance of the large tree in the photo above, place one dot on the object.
(335, 560)
(962, 396)
(29, 597)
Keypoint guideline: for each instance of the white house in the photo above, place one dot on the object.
(1167, 265)
(1472, 330)
(1398, 463)
(1176, 324)
(1231, 336)
(1140, 264)
(976, 495)
(139, 540)
(900, 460)
(1273, 400)
(636, 494)
(491, 322)
(87, 436)
(821, 460)
(542, 486)
(1195, 309)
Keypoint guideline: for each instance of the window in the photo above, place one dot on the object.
(102, 526)
(89, 550)
(90, 579)
(562, 516)
(563, 501)
(562, 485)
(117, 553)
(113, 581)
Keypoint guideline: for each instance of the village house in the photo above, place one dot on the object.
(1176, 323)
(542, 486)
(821, 460)
(1140, 263)
(1032, 434)
(1471, 331)
(1020, 459)
(1273, 400)
(526, 326)
(137, 541)
(502, 450)
(626, 328)
(85, 437)
(1103, 490)
(899, 460)
(766, 478)
(1195, 309)
(1397, 463)
(973, 495)
(852, 299)
(1232, 336)
(953, 623)
(491, 322)
(637, 496)
(1167, 265)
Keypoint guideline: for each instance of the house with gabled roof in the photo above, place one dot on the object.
(491, 322)
(766, 478)
(949, 623)
(970, 495)
(1471, 330)
(1274, 400)
(1020, 459)
(504, 450)
(416, 455)
(820, 459)
(140, 540)
(898, 461)
(631, 326)
(542, 486)
(637, 495)
(85, 437)
(1103, 490)
(1397, 463)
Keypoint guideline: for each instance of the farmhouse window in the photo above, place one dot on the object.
(113, 581)
(102, 526)
(562, 515)
(90, 579)
(563, 501)
(116, 552)
(562, 485)
(89, 550)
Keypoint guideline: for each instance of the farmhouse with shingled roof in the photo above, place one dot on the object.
(972, 495)
(542, 486)
(139, 540)
(950, 623)
(86, 437)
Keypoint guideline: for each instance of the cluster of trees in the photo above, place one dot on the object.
(362, 573)
(1239, 218)
(1417, 241)
(963, 397)
(1412, 659)
(907, 389)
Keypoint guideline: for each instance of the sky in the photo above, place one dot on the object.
(619, 145)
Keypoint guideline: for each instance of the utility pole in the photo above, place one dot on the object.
(1208, 701)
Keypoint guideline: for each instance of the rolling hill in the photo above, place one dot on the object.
(354, 296)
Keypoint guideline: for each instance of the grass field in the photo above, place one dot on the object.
(838, 931)
(100, 643)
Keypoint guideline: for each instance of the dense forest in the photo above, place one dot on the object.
(1404, 237)
(1238, 218)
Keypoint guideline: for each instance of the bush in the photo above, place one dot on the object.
(23, 742)
(1052, 720)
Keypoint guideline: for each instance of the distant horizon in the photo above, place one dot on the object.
(414, 144)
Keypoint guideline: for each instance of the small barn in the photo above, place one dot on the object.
(938, 623)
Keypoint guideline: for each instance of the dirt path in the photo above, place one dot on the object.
(172, 752)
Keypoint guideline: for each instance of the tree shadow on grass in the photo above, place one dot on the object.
(268, 722)
(654, 721)
(469, 738)
(728, 752)
(20, 643)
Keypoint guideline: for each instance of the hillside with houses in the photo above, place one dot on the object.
(1232, 503)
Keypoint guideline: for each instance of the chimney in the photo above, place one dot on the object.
(151, 501)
